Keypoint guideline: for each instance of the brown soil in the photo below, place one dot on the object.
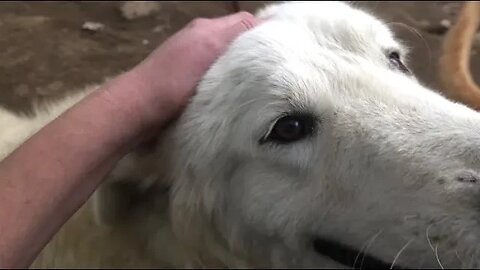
(45, 51)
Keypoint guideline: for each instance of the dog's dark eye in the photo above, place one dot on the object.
(291, 128)
(396, 62)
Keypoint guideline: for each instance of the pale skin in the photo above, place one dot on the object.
(53, 173)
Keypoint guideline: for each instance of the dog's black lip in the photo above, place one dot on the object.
(349, 256)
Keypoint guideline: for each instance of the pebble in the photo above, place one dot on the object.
(93, 26)
(158, 29)
(446, 23)
(131, 10)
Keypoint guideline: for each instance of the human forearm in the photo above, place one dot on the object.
(46, 179)
(97, 131)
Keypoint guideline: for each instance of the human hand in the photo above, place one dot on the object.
(169, 75)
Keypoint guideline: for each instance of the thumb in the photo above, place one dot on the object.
(245, 24)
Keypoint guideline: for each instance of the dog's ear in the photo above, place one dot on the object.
(114, 200)
(139, 179)
(122, 190)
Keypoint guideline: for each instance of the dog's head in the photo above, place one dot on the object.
(309, 143)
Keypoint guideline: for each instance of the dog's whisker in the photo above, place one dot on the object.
(435, 249)
(430, 243)
(436, 256)
(368, 247)
(428, 238)
(365, 246)
(416, 32)
(400, 252)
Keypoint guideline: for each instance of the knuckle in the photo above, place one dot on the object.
(248, 23)
(247, 20)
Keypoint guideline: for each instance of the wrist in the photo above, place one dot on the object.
(140, 104)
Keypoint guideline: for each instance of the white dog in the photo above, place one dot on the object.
(308, 144)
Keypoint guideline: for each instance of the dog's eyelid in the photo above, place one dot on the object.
(271, 124)
(397, 59)
(295, 113)
(401, 50)
(393, 50)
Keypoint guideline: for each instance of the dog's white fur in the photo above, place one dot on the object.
(386, 169)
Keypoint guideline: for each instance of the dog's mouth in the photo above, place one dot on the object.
(349, 256)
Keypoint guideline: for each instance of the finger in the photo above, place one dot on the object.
(239, 27)
(232, 19)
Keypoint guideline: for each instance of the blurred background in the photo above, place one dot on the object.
(48, 48)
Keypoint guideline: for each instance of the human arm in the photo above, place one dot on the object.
(45, 180)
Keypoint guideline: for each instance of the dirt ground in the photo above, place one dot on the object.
(45, 52)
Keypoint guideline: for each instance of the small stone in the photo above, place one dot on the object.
(131, 10)
(446, 23)
(93, 26)
(145, 42)
(158, 29)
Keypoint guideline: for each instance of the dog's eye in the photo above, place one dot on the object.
(396, 62)
(291, 128)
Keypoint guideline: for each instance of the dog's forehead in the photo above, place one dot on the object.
(305, 47)
(303, 51)
(334, 22)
